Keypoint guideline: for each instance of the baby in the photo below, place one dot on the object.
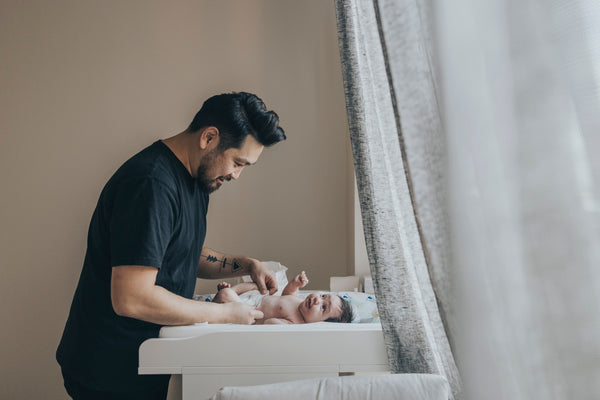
(290, 308)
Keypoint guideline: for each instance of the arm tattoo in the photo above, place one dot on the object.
(235, 265)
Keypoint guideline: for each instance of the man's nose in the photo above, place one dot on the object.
(236, 174)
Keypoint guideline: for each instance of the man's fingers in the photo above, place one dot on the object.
(271, 283)
(262, 288)
(264, 279)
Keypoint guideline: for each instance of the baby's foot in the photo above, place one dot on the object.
(301, 280)
(223, 285)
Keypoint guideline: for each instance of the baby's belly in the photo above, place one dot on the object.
(269, 307)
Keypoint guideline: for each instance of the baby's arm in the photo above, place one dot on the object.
(298, 282)
(273, 321)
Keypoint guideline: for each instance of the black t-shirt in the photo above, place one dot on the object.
(151, 212)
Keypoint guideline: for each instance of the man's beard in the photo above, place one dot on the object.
(207, 184)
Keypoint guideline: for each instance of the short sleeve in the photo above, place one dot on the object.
(142, 222)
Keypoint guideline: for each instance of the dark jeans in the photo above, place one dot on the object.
(79, 392)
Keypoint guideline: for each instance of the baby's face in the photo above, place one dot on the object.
(320, 307)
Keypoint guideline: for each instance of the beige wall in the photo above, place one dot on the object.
(84, 85)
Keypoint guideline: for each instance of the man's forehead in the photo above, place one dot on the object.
(249, 151)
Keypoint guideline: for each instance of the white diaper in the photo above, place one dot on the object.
(253, 298)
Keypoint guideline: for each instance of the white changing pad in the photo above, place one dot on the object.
(205, 328)
(363, 305)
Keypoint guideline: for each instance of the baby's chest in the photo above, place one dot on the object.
(280, 307)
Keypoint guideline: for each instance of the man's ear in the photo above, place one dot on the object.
(209, 138)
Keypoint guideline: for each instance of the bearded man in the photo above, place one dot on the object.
(146, 248)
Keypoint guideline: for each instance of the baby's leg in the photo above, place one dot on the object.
(228, 294)
(225, 294)
(244, 287)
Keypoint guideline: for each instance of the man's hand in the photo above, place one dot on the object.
(263, 277)
(240, 313)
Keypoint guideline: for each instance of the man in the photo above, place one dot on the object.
(145, 249)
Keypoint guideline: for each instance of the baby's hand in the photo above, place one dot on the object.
(301, 280)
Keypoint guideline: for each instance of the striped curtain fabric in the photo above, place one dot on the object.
(398, 147)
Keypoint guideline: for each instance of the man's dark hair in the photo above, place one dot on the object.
(237, 115)
(347, 314)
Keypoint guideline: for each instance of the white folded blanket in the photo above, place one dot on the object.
(363, 387)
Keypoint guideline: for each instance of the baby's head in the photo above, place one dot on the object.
(318, 307)
(346, 315)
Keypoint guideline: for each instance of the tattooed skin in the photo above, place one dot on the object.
(235, 265)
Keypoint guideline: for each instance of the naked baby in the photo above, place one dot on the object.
(289, 308)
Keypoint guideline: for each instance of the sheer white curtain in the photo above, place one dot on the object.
(521, 103)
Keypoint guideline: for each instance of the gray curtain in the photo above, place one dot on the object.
(521, 84)
(398, 148)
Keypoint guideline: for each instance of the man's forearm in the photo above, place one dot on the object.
(159, 306)
(215, 265)
(134, 294)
